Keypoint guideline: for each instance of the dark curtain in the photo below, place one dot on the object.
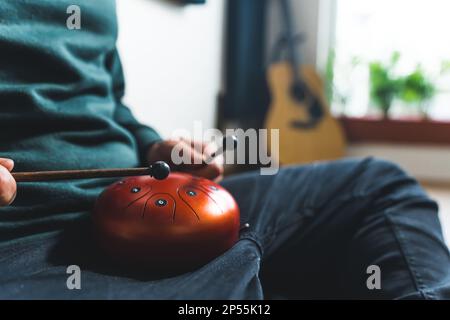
(246, 95)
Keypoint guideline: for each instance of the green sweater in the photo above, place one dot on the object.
(60, 108)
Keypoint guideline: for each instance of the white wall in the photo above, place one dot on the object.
(172, 59)
(304, 16)
(315, 19)
(426, 162)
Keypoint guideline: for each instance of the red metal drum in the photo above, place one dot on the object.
(175, 224)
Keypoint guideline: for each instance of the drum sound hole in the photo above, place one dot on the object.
(161, 202)
(135, 190)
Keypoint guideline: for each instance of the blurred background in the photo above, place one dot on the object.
(338, 78)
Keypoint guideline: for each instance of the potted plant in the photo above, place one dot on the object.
(385, 86)
(418, 90)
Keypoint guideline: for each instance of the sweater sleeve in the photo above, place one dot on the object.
(145, 136)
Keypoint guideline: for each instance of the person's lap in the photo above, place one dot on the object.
(313, 232)
(322, 226)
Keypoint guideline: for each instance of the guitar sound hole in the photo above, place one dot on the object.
(298, 91)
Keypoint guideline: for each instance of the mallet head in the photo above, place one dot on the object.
(159, 170)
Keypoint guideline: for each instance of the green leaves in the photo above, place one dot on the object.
(415, 88)
(384, 84)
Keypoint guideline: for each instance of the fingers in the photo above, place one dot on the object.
(168, 150)
(187, 155)
(7, 163)
(8, 187)
(194, 153)
(205, 151)
(193, 156)
(198, 152)
(213, 171)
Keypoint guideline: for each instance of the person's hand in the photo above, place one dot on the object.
(8, 187)
(162, 151)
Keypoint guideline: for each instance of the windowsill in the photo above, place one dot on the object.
(407, 131)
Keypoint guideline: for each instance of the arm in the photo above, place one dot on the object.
(145, 136)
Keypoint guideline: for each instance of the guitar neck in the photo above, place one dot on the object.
(293, 53)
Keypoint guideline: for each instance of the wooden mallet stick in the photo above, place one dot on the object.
(228, 143)
(159, 170)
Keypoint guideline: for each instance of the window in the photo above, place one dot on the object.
(406, 35)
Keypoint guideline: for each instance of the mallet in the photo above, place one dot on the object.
(159, 170)
(228, 143)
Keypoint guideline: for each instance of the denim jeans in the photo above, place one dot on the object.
(314, 231)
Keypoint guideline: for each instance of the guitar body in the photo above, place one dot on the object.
(323, 141)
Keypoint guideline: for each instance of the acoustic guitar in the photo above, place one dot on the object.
(299, 107)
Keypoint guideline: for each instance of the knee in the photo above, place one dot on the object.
(384, 168)
(390, 186)
(386, 177)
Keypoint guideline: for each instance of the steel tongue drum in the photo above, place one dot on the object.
(157, 220)
(166, 222)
